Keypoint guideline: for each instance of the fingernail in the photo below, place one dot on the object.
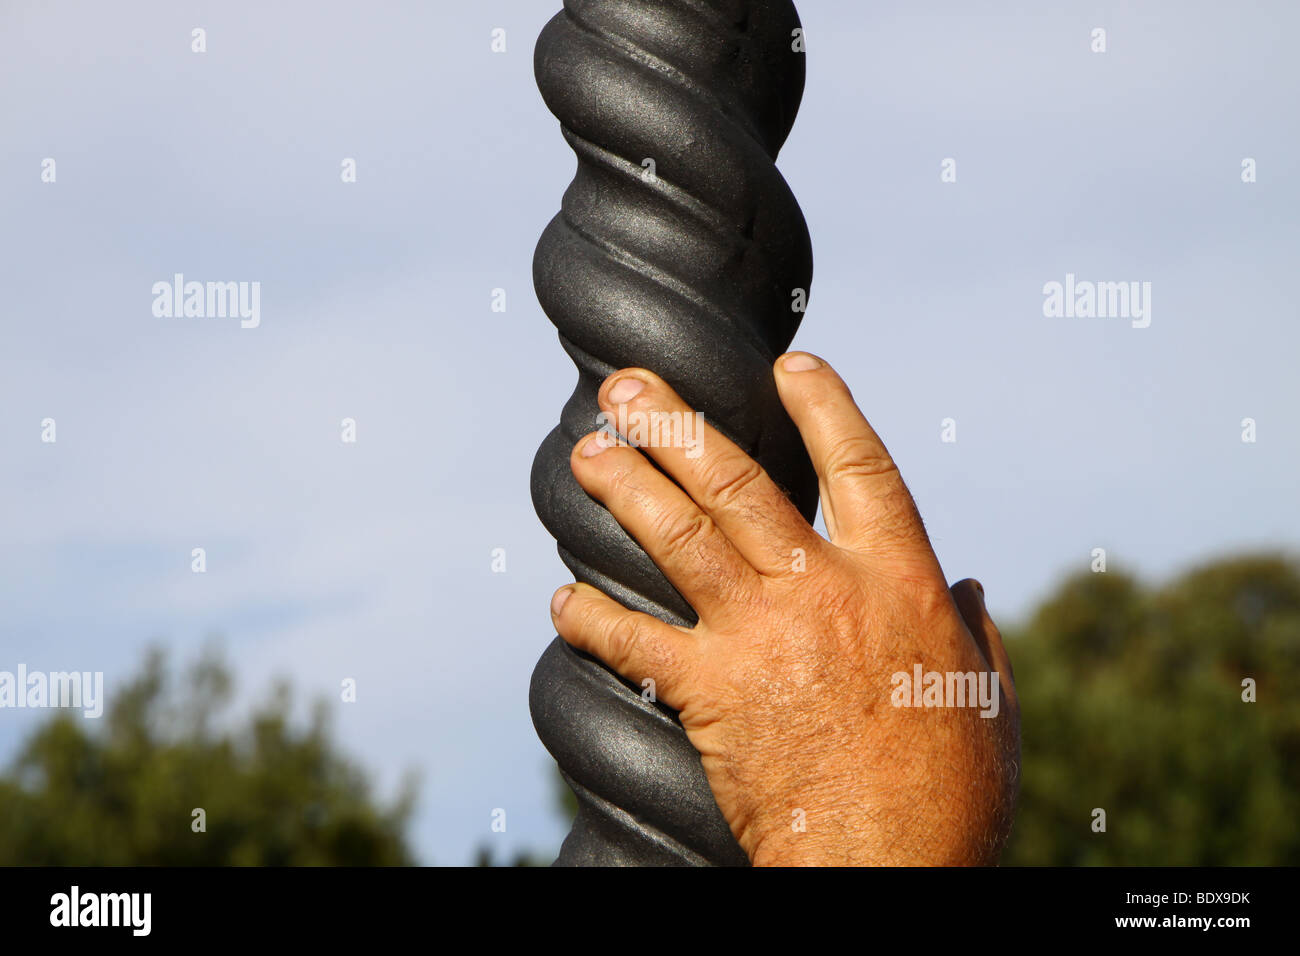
(800, 362)
(557, 602)
(625, 390)
(981, 588)
(593, 446)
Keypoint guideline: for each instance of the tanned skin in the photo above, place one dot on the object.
(784, 686)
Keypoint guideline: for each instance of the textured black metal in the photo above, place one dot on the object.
(691, 267)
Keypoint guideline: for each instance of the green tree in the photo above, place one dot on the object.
(125, 793)
(1132, 702)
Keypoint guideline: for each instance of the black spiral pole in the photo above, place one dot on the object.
(679, 248)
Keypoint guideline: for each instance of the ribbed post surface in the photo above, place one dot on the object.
(679, 248)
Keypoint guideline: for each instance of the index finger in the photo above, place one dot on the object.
(727, 484)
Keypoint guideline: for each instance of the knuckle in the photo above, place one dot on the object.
(854, 456)
(683, 532)
(621, 635)
(727, 480)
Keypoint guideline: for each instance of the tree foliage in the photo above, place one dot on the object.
(1132, 702)
(125, 793)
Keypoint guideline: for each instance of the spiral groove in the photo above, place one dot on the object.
(688, 267)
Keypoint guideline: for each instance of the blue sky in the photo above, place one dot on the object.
(373, 560)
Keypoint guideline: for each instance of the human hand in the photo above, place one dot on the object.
(791, 685)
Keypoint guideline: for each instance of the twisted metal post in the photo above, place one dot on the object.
(679, 248)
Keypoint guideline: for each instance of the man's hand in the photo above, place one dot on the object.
(790, 686)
